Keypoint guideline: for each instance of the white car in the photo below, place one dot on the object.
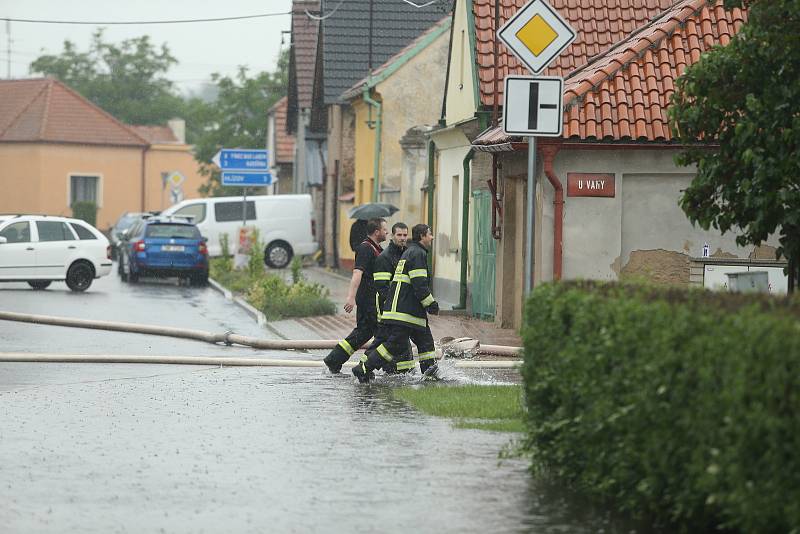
(40, 249)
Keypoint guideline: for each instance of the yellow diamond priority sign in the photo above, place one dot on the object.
(536, 34)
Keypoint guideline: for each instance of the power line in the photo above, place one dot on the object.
(140, 22)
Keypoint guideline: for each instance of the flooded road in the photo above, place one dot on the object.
(162, 448)
(251, 450)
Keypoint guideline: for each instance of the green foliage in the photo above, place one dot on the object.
(666, 405)
(255, 261)
(277, 300)
(126, 80)
(745, 97)
(296, 267)
(225, 245)
(499, 406)
(85, 211)
(237, 118)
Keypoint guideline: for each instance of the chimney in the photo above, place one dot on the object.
(178, 127)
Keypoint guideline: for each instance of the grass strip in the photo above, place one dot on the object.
(493, 408)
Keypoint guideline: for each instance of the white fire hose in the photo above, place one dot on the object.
(227, 338)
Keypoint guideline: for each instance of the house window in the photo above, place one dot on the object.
(455, 206)
(83, 189)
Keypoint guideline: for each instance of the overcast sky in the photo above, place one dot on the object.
(201, 48)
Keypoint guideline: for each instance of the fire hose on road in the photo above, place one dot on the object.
(228, 338)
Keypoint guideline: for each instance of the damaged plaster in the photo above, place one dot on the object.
(657, 266)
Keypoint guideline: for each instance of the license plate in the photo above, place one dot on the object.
(172, 248)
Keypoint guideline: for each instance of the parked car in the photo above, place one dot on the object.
(285, 223)
(40, 249)
(163, 246)
(125, 221)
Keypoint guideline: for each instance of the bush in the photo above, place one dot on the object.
(85, 211)
(255, 263)
(277, 300)
(680, 407)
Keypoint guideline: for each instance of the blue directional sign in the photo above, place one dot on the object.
(246, 179)
(242, 159)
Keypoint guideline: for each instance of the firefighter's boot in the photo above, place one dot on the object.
(340, 354)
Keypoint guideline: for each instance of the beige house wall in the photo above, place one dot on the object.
(411, 97)
(35, 177)
(19, 178)
(461, 91)
(170, 158)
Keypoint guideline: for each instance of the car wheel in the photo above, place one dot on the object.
(80, 276)
(39, 284)
(133, 277)
(278, 255)
(199, 280)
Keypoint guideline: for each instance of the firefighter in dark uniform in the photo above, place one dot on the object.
(361, 296)
(385, 265)
(406, 309)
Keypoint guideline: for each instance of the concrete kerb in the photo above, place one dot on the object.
(260, 318)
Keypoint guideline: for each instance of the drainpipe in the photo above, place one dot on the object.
(377, 165)
(431, 181)
(431, 187)
(144, 150)
(462, 299)
(549, 153)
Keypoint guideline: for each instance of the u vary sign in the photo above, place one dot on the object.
(590, 185)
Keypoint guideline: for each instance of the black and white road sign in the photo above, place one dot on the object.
(532, 105)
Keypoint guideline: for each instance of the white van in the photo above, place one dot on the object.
(285, 223)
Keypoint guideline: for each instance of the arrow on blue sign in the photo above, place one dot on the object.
(241, 159)
(246, 179)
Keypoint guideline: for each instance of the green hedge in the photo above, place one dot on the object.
(85, 211)
(681, 408)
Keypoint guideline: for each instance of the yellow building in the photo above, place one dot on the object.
(57, 148)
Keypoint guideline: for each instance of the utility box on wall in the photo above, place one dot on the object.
(749, 282)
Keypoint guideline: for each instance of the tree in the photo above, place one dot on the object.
(238, 118)
(126, 80)
(737, 111)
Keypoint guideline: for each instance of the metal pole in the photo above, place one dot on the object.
(244, 208)
(529, 260)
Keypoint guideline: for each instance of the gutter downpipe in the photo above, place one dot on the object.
(431, 187)
(144, 150)
(378, 126)
(462, 297)
(549, 154)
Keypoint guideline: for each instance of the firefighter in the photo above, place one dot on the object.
(405, 311)
(384, 269)
(361, 296)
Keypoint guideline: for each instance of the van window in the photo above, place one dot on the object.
(197, 210)
(232, 211)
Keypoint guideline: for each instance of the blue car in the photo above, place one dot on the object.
(163, 247)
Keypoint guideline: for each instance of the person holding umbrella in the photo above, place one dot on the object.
(361, 296)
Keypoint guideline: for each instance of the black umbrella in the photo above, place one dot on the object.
(372, 210)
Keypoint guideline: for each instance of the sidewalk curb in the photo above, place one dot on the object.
(260, 318)
(331, 273)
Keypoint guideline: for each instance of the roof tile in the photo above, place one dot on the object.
(46, 110)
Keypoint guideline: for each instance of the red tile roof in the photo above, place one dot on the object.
(284, 143)
(624, 93)
(44, 110)
(155, 134)
(598, 23)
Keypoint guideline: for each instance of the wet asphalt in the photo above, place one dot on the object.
(157, 448)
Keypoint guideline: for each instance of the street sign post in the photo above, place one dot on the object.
(532, 105)
(536, 34)
(241, 159)
(243, 167)
(246, 179)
